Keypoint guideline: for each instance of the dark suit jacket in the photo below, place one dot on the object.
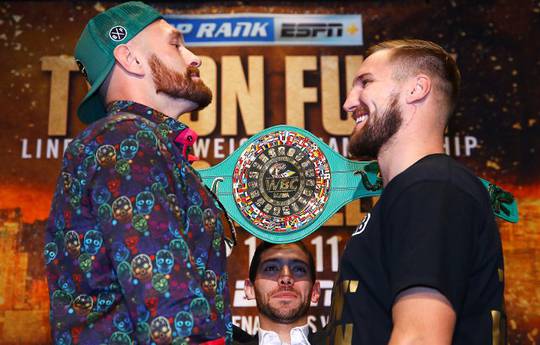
(241, 337)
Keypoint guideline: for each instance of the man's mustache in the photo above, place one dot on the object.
(284, 289)
(193, 71)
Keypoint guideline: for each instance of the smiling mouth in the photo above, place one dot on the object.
(361, 118)
(360, 114)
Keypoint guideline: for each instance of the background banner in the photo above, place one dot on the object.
(495, 130)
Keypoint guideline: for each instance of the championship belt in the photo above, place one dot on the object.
(284, 183)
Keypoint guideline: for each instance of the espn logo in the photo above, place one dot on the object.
(295, 30)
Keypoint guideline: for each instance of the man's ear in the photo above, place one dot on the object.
(417, 88)
(249, 289)
(316, 292)
(126, 59)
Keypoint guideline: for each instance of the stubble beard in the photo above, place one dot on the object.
(378, 130)
(179, 85)
(281, 315)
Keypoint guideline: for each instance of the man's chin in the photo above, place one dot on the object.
(191, 106)
(286, 316)
(362, 157)
(358, 152)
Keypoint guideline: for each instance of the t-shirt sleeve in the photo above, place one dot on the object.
(430, 239)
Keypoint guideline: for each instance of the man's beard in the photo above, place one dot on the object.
(377, 131)
(179, 85)
(281, 315)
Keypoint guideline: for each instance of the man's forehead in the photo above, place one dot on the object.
(376, 63)
(161, 26)
(282, 251)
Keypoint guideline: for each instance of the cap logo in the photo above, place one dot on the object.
(118, 33)
(82, 69)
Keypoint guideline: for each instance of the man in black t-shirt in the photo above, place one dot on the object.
(425, 266)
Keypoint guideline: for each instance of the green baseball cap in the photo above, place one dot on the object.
(94, 50)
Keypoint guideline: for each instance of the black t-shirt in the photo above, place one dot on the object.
(433, 226)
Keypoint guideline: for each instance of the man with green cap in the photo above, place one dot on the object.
(135, 248)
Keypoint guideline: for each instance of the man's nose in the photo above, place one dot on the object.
(285, 277)
(190, 58)
(352, 101)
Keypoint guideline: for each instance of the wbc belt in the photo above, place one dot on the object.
(284, 183)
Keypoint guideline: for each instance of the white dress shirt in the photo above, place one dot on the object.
(299, 336)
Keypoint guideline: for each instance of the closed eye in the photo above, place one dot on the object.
(177, 39)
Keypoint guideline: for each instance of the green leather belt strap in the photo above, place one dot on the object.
(284, 183)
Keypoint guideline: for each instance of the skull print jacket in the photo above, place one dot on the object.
(135, 248)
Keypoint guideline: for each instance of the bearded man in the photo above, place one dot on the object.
(282, 281)
(135, 251)
(426, 265)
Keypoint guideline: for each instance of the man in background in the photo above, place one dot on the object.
(134, 243)
(282, 281)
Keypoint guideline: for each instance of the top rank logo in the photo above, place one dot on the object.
(312, 30)
(223, 30)
(226, 29)
(264, 29)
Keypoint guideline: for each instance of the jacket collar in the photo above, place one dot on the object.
(167, 126)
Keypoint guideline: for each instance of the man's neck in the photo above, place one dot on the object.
(173, 107)
(146, 95)
(283, 330)
(403, 151)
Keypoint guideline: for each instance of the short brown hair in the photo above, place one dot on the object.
(427, 57)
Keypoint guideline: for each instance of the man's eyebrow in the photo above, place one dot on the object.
(361, 77)
(177, 35)
(299, 261)
(269, 260)
(293, 261)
